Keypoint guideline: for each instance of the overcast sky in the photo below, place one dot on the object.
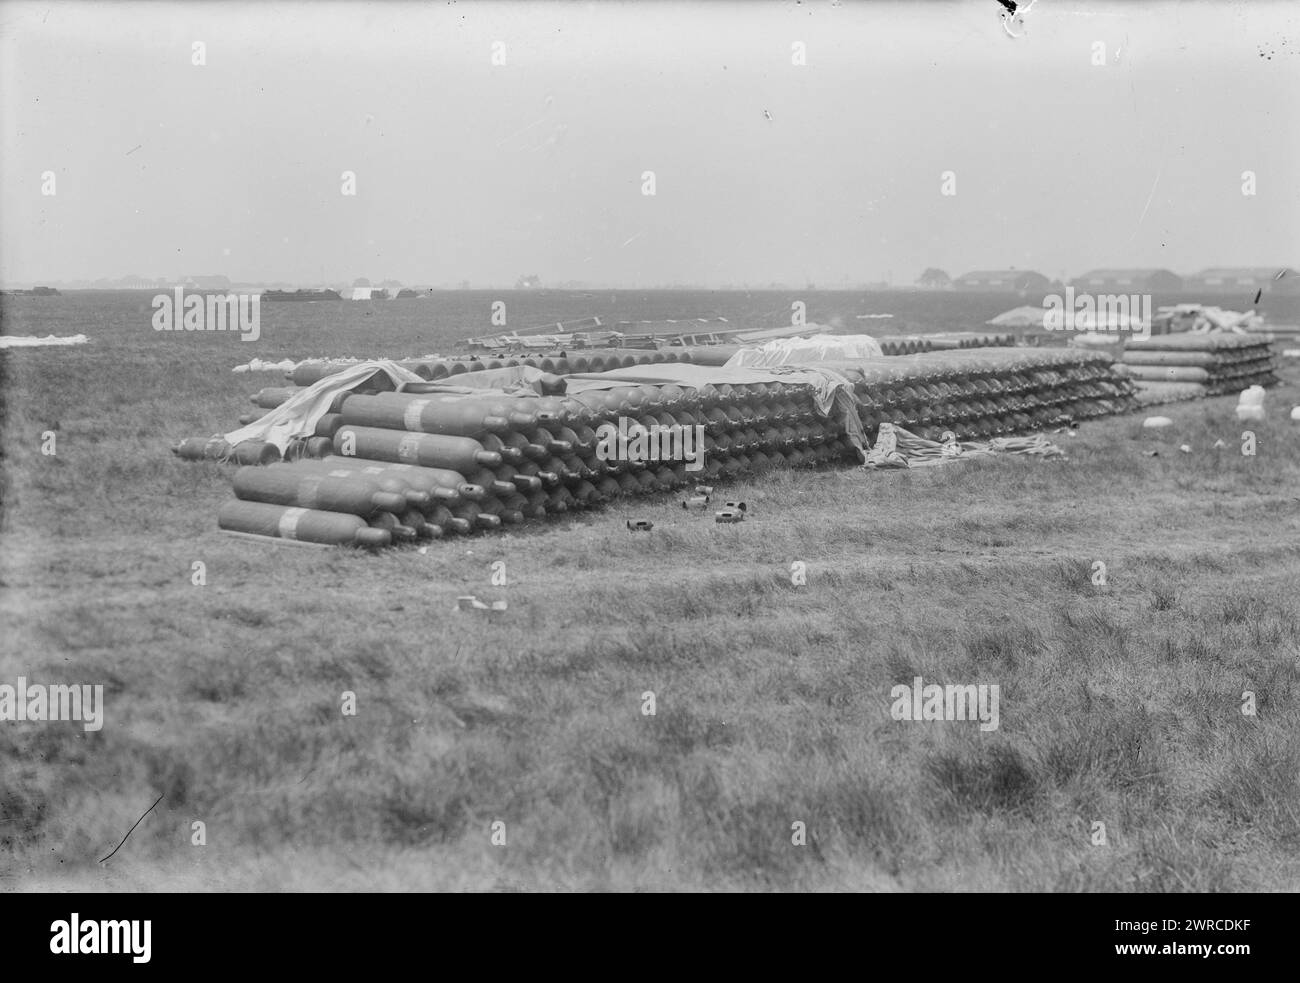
(829, 172)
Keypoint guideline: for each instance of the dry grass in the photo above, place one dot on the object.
(1119, 704)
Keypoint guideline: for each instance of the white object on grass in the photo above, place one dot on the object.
(258, 365)
(1156, 422)
(31, 341)
(1250, 405)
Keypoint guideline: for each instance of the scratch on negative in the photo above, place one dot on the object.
(1148, 204)
(132, 829)
(525, 129)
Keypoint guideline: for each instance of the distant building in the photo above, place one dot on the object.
(934, 279)
(1144, 280)
(1003, 281)
(208, 282)
(1239, 279)
(530, 281)
(368, 293)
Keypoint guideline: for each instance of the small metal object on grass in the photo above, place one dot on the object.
(695, 502)
(728, 515)
(640, 525)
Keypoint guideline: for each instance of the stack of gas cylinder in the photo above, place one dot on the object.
(947, 340)
(405, 466)
(412, 465)
(1184, 366)
(559, 362)
(977, 393)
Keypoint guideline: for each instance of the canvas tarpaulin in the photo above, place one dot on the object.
(805, 350)
(900, 448)
(297, 416)
(516, 380)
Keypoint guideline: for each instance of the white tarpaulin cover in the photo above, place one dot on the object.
(297, 416)
(257, 365)
(1036, 317)
(802, 351)
(900, 448)
(518, 380)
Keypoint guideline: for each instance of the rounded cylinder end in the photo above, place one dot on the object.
(389, 501)
(372, 538)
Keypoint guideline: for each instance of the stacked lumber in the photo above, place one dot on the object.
(1289, 333)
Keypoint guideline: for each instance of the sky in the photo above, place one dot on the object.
(1107, 134)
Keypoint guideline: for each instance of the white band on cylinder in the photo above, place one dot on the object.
(411, 418)
(289, 523)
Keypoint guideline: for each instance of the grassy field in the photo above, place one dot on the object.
(1120, 704)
